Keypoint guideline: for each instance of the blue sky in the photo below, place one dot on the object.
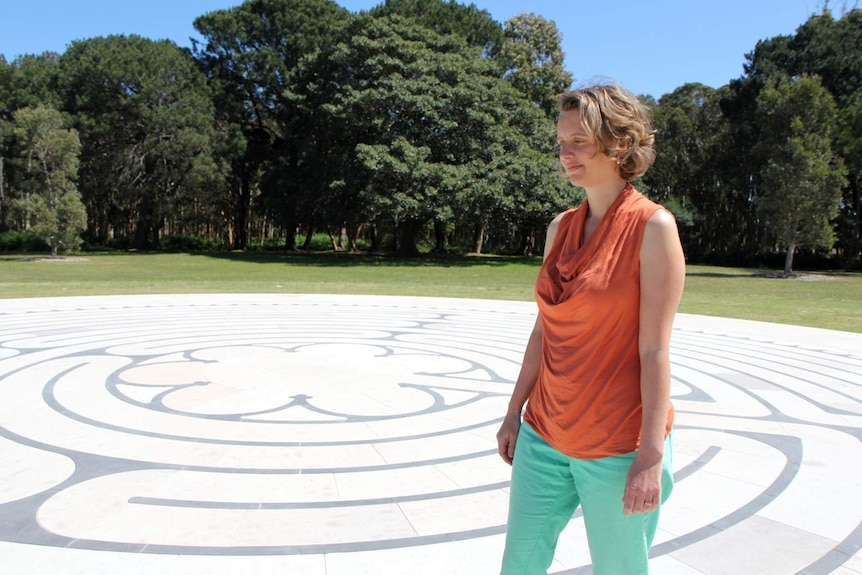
(651, 47)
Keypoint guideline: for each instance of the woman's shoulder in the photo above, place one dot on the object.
(563, 215)
(660, 226)
(650, 210)
(554, 227)
(661, 217)
(559, 220)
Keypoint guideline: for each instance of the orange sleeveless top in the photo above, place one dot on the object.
(586, 402)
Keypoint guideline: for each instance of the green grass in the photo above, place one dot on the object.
(481, 277)
(816, 299)
(831, 301)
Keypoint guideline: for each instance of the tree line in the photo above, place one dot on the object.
(417, 125)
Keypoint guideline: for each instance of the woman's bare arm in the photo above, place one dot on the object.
(662, 276)
(508, 433)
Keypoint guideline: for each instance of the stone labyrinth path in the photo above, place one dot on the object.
(340, 435)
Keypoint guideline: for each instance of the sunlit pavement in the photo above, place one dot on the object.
(344, 435)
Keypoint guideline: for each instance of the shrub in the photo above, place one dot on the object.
(186, 244)
(14, 241)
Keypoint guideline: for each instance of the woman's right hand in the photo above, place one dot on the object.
(507, 436)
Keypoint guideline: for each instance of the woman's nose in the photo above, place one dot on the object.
(565, 148)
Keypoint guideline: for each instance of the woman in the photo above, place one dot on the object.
(596, 371)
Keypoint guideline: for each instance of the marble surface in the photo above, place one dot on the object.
(343, 435)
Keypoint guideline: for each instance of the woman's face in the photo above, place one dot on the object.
(580, 158)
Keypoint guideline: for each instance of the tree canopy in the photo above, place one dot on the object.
(802, 177)
(50, 205)
(418, 126)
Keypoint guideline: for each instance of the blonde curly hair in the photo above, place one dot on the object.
(618, 123)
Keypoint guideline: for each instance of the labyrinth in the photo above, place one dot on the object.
(342, 435)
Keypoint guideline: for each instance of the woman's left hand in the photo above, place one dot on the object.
(643, 486)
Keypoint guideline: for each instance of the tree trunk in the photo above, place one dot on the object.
(375, 238)
(856, 195)
(788, 259)
(157, 228)
(353, 231)
(407, 244)
(2, 198)
(528, 242)
(440, 240)
(309, 235)
(290, 227)
(335, 243)
(242, 207)
(479, 237)
(144, 223)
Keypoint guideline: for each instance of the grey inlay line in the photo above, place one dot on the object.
(776, 413)
(790, 447)
(784, 371)
(308, 549)
(679, 476)
(777, 353)
(726, 340)
(50, 400)
(704, 459)
(319, 504)
(837, 557)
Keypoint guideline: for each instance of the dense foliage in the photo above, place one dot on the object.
(415, 126)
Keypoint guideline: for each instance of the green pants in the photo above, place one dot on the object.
(547, 487)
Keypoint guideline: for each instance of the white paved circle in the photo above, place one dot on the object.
(355, 434)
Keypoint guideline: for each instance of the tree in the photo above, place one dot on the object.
(250, 53)
(6, 76)
(395, 82)
(445, 17)
(849, 141)
(829, 48)
(802, 176)
(51, 207)
(690, 175)
(34, 81)
(145, 116)
(510, 186)
(427, 131)
(28, 81)
(532, 60)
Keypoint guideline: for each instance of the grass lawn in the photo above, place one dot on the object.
(831, 301)
(815, 299)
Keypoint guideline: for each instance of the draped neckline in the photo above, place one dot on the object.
(575, 252)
